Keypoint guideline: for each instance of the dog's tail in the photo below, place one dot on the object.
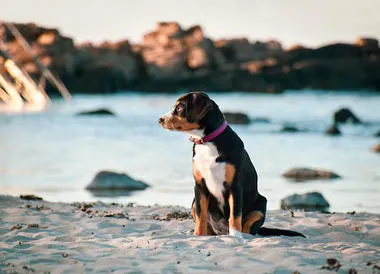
(264, 231)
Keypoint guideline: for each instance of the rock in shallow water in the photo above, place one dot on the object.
(333, 130)
(236, 118)
(289, 129)
(109, 180)
(31, 197)
(345, 115)
(310, 201)
(100, 111)
(302, 174)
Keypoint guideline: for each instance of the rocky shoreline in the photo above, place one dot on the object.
(173, 59)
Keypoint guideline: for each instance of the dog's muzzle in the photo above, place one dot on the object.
(164, 118)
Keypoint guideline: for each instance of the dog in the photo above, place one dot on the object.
(226, 200)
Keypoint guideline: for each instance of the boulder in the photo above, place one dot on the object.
(259, 66)
(98, 112)
(194, 35)
(376, 148)
(311, 201)
(289, 129)
(197, 58)
(295, 47)
(118, 58)
(241, 49)
(204, 55)
(345, 115)
(169, 29)
(31, 197)
(237, 118)
(303, 174)
(172, 54)
(333, 130)
(236, 49)
(171, 58)
(367, 43)
(338, 50)
(164, 53)
(109, 180)
(164, 62)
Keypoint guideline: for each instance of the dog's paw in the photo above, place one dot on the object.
(236, 233)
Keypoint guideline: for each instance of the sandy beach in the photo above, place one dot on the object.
(39, 236)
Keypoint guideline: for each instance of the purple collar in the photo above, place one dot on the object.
(211, 136)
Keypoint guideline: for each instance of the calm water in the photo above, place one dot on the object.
(56, 154)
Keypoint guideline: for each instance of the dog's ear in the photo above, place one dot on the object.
(201, 104)
(203, 109)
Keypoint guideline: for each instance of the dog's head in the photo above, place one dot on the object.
(191, 111)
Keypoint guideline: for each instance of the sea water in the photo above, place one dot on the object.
(56, 153)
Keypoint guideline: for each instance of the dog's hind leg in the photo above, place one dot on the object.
(255, 217)
(253, 222)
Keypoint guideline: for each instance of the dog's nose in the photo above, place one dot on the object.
(161, 120)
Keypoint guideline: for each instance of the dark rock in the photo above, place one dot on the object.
(302, 174)
(100, 111)
(241, 49)
(30, 197)
(310, 201)
(332, 264)
(289, 129)
(367, 43)
(109, 180)
(376, 148)
(333, 130)
(236, 118)
(377, 134)
(345, 115)
(171, 58)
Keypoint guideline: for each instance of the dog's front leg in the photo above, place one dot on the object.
(201, 209)
(235, 203)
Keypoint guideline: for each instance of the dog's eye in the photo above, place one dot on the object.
(179, 108)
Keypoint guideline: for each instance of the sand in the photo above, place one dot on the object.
(39, 236)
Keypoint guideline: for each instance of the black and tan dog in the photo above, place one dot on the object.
(226, 197)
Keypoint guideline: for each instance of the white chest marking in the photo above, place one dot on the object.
(212, 172)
